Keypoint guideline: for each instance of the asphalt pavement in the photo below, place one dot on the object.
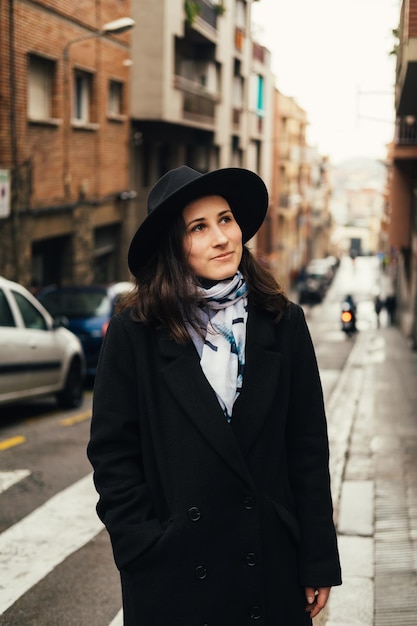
(372, 420)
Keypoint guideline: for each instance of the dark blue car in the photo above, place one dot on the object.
(87, 310)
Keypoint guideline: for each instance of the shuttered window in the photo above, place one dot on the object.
(82, 96)
(40, 80)
(115, 103)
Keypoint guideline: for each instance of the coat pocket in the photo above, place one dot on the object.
(148, 547)
(288, 519)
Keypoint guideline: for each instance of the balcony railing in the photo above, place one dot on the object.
(195, 87)
(199, 109)
(207, 13)
(406, 131)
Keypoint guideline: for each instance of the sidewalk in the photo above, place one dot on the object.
(372, 419)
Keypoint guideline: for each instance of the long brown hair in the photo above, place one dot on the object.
(166, 293)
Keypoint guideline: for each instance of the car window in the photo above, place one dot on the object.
(6, 316)
(77, 303)
(32, 318)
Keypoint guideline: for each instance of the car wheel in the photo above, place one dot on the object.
(72, 394)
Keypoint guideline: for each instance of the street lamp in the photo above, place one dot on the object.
(115, 27)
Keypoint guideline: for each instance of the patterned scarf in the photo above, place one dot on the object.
(222, 353)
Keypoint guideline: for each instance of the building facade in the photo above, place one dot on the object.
(298, 224)
(64, 138)
(92, 115)
(201, 92)
(402, 203)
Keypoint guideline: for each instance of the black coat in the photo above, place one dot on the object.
(214, 524)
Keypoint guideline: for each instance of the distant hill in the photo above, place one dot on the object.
(357, 172)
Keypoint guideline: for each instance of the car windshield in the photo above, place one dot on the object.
(76, 303)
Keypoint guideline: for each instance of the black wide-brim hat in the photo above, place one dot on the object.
(244, 191)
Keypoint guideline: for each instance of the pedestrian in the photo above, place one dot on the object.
(208, 437)
(391, 306)
(378, 304)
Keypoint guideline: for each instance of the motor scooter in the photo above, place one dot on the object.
(348, 317)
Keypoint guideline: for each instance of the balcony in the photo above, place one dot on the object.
(199, 104)
(199, 110)
(207, 13)
(406, 70)
(406, 131)
(405, 89)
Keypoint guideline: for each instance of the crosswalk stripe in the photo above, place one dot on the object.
(7, 479)
(33, 547)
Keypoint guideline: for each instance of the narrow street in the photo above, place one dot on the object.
(57, 559)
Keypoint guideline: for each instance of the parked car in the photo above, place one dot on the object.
(88, 310)
(38, 356)
(322, 268)
(313, 282)
(311, 288)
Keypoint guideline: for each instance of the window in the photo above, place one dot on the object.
(115, 104)
(6, 317)
(240, 14)
(260, 102)
(237, 92)
(40, 80)
(32, 318)
(82, 96)
(257, 95)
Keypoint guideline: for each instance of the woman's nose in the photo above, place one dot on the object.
(219, 236)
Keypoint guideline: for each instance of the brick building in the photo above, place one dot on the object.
(64, 139)
(402, 233)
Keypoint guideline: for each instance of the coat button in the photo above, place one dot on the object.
(251, 559)
(255, 612)
(249, 503)
(194, 514)
(200, 572)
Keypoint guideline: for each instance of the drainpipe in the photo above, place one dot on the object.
(14, 149)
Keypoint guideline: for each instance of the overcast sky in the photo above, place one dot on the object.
(333, 57)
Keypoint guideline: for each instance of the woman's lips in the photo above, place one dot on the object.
(221, 257)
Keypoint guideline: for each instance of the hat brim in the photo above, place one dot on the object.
(244, 191)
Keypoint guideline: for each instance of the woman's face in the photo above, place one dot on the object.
(213, 239)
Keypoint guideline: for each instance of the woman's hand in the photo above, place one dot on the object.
(316, 599)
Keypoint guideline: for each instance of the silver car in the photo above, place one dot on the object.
(38, 356)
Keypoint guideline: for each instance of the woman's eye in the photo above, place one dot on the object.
(197, 228)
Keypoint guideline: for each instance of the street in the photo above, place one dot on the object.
(55, 558)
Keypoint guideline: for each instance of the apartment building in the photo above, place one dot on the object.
(403, 173)
(64, 139)
(201, 92)
(298, 224)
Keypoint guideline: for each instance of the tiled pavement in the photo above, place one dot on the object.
(372, 415)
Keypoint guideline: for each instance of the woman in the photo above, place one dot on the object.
(208, 436)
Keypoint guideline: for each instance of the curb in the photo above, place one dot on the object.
(341, 410)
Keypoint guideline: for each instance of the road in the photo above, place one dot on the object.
(360, 278)
(55, 557)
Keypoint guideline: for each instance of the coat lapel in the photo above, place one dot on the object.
(189, 386)
(187, 383)
(263, 361)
